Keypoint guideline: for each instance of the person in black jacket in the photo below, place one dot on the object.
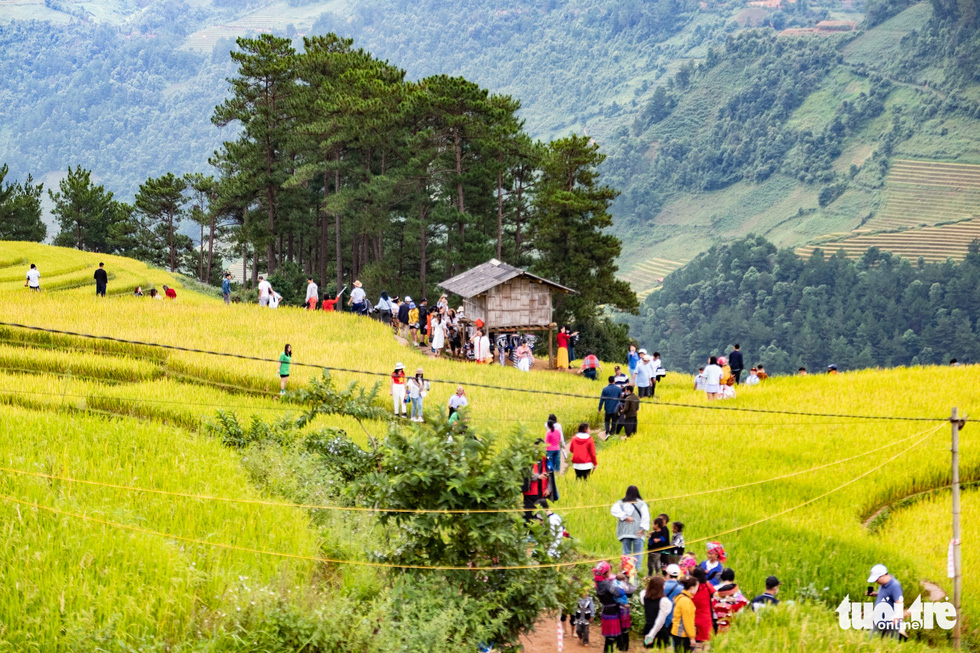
(403, 317)
(735, 362)
(101, 280)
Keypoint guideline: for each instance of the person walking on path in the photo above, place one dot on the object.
(611, 595)
(101, 280)
(609, 404)
(226, 288)
(384, 308)
(418, 388)
(403, 316)
(736, 363)
(265, 292)
(525, 357)
(423, 322)
(358, 299)
(33, 279)
(633, 517)
(590, 366)
(629, 408)
(563, 338)
(312, 294)
(712, 379)
(437, 335)
(656, 608)
(582, 448)
(684, 630)
(285, 360)
(413, 322)
(397, 390)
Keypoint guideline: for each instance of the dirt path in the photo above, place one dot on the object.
(936, 593)
(544, 639)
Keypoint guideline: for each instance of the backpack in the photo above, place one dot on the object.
(672, 594)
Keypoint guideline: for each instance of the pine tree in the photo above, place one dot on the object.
(161, 202)
(85, 212)
(20, 210)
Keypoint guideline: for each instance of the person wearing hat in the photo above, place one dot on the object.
(769, 596)
(645, 372)
(418, 387)
(672, 589)
(890, 593)
(753, 377)
(397, 391)
(831, 369)
(358, 299)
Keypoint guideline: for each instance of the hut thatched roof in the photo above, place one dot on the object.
(482, 278)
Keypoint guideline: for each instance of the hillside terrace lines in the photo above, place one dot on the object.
(933, 243)
(646, 276)
(928, 192)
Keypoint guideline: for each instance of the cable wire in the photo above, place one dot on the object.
(306, 506)
(367, 563)
(470, 384)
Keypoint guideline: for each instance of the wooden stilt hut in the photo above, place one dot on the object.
(506, 299)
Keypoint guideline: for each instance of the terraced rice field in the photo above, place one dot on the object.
(274, 17)
(647, 276)
(933, 244)
(927, 192)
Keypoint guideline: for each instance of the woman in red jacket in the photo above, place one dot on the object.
(703, 614)
(582, 448)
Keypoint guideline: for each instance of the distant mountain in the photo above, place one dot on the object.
(767, 116)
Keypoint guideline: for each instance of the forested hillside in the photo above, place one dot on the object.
(717, 119)
(787, 312)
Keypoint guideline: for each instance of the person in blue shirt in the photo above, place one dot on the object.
(226, 287)
(609, 403)
(632, 360)
(769, 596)
(889, 592)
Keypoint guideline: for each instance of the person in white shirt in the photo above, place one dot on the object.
(358, 299)
(753, 378)
(699, 380)
(458, 400)
(312, 293)
(555, 528)
(33, 279)
(712, 378)
(265, 291)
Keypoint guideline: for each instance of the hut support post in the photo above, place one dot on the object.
(551, 348)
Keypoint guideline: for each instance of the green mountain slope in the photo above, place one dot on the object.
(714, 128)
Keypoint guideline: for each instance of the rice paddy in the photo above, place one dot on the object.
(132, 415)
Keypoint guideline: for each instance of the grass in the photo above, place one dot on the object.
(153, 592)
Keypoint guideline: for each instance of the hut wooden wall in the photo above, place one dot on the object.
(518, 302)
(475, 308)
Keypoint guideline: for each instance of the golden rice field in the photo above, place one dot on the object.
(132, 415)
(646, 276)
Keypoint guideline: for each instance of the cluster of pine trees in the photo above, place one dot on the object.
(787, 312)
(338, 167)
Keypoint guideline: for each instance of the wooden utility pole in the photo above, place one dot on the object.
(957, 567)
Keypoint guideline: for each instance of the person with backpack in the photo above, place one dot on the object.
(536, 486)
(672, 589)
(633, 522)
(683, 631)
(656, 608)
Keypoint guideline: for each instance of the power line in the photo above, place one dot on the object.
(280, 504)
(366, 563)
(555, 393)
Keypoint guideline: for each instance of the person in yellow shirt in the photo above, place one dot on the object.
(683, 630)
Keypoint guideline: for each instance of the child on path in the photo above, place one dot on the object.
(583, 617)
(285, 359)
